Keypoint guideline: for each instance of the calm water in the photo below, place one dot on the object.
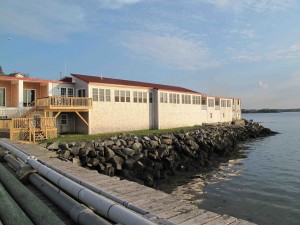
(267, 190)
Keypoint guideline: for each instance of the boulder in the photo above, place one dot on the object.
(54, 146)
(137, 147)
(108, 153)
(117, 162)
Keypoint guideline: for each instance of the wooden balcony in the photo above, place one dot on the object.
(64, 103)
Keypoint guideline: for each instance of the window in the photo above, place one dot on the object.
(196, 100)
(101, 95)
(238, 102)
(178, 99)
(182, 99)
(203, 101)
(107, 95)
(135, 96)
(144, 97)
(63, 91)
(186, 99)
(228, 103)
(28, 97)
(170, 98)
(122, 93)
(164, 97)
(117, 96)
(223, 103)
(217, 102)
(150, 97)
(2, 96)
(95, 94)
(211, 103)
(70, 92)
(127, 96)
(36, 116)
(63, 119)
(223, 115)
(81, 92)
(211, 115)
(140, 95)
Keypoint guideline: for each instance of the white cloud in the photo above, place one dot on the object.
(291, 52)
(115, 4)
(42, 20)
(256, 5)
(172, 51)
(263, 85)
(244, 33)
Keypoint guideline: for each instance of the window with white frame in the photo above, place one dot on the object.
(95, 94)
(117, 96)
(144, 97)
(186, 99)
(228, 103)
(223, 103)
(135, 98)
(127, 96)
(101, 95)
(211, 102)
(64, 119)
(107, 95)
(122, 94)
(81, 92)
(163, 97)
(140, 97)
(196, 100)
(2, 96)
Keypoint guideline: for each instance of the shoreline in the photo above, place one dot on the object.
(155, 159)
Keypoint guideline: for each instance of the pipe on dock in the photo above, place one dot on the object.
(10, 212)
(34, 208)
(79, 213)
(99, 191)
(102, 205)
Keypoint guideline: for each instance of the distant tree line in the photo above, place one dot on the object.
(11, 74)
(269, 110)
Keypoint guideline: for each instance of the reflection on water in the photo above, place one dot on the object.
(265, 186)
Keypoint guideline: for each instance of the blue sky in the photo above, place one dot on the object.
(238, 48)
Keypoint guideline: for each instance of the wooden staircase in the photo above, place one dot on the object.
(39, 135)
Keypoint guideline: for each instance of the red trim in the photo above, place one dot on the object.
(31, 79)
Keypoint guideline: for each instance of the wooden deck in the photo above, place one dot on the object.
(158, 203)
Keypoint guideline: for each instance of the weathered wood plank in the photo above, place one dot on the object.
(195, 216)
(225, 219)
(171, 212)
(242, 222)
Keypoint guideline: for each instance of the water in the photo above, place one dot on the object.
(267, 188)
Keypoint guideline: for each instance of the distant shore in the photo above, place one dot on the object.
(269, 110)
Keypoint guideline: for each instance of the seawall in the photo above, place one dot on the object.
(149, 159)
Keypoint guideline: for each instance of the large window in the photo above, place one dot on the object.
(186, 99)
(81, 93)
(211, 103)
(223, 103)
(2, 96)
(150, 97)
(164, 97)
(95, 95)
(28, 97)
(196, 100)
(228, 103)
(101, 95)
(107, 95)
(174, 98)
(117, 95)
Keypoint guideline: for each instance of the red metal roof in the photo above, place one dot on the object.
(106, 80)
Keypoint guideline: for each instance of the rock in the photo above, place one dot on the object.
(137, 147)
(154, 144)
(66, 154)
(167, 141)
(76, 161)
(108, 153)
(74, 150)
(54, 146)
(128, 151)
(129, 163)
(108, 143)
(117, 162)
(146, 138)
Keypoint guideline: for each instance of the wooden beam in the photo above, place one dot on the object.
(82, 118)
(57, 114)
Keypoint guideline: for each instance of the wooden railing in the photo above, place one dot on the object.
(5, 124)
(64, 102)
(11, 112)
(26, 128)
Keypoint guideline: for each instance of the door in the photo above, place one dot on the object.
(28, 97)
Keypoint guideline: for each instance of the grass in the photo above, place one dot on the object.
(85, 137)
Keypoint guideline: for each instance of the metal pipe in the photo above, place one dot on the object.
(10, 211)
(99, 191)
(79, 213)
(102, 205)
(36, 210)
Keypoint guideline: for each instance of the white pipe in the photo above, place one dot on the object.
(79, 213)
(99, 191)
(102, 205)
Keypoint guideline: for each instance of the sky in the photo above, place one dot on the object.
(248, 49)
